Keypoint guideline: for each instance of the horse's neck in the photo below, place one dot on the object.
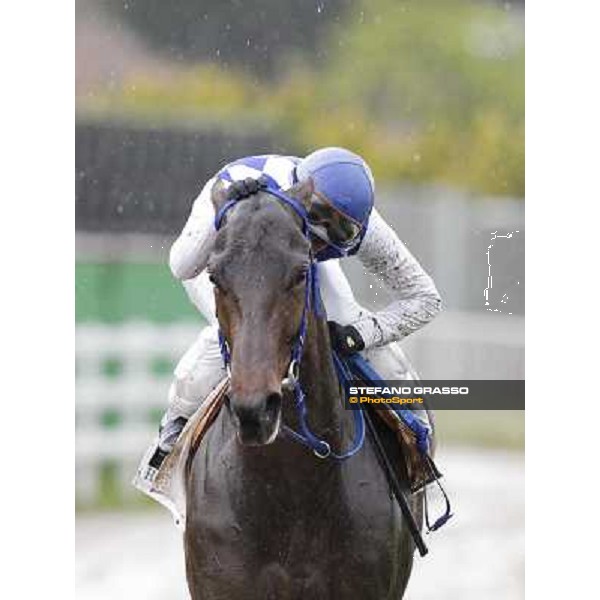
(319, 381)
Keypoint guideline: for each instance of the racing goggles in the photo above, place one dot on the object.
(330, 224)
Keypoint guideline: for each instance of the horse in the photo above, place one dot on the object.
(267, 518)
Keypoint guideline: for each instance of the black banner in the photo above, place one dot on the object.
(438, 394)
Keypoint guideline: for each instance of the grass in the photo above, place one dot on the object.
(502, 429)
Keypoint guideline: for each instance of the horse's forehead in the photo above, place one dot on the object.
(263, 209)
(264, 223)
(261, 233)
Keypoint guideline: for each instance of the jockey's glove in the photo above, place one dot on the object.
(345, 339)
(245, 188)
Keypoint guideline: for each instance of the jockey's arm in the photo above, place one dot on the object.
(417, 300)
(190, 251)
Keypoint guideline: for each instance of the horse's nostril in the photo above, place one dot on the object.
(272, 405)
(247, 415)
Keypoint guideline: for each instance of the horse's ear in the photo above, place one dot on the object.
(302, 191)
(218, 195)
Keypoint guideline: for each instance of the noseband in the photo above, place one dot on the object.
(312, 301)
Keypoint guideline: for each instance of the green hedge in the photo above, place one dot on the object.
(118, 292)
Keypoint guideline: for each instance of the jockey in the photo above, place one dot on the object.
(342, 222)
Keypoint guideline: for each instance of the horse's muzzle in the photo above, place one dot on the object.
(257, 419)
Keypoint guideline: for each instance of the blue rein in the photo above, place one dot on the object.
(305, 436)
(312, 301)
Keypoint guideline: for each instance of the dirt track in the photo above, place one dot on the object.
(479, 555)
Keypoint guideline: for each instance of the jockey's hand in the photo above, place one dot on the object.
(245, 188)
(345, 338)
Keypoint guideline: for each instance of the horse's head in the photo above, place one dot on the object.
(258, 267)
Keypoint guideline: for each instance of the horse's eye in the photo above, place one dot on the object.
(298, 279)
(215, 282)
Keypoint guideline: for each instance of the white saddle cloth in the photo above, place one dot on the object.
(167, 485)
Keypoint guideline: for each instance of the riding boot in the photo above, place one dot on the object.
(171, 426)
(168, 433)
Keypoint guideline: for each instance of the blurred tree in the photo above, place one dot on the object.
(422, 61)
(252, 34)
(440, 85)
(427, 90)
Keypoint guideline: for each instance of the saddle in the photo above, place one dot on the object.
(169, 485)
(420, 471)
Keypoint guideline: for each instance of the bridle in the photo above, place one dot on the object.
(312, 302)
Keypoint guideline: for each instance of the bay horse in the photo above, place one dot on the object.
(266, 517)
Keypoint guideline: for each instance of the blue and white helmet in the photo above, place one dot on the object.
(343, 198)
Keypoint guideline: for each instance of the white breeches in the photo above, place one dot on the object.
(201, 367)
